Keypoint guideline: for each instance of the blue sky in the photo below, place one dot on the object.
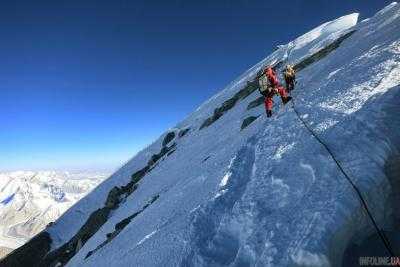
(86, 84)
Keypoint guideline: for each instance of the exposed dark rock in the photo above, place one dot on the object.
(250, 87)
(29, 254)
(164, 150)
(137, 176)
(93, 224)
(321, 53)
(227, 105)
(183, 132)
(89, 254)
(256, 103)
(168, 138)
(207, 122)
(68, 250)
(121, 225)
(129, 188)
(248, 121)
(113, 198)
(78, 245)
(154, 158)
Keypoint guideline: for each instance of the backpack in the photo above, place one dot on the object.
(289, 72)
(265, 85)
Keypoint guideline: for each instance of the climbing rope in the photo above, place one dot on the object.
(381, 234)
(363, 202)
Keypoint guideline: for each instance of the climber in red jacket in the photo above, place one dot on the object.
(269, 86)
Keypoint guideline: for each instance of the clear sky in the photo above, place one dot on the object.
(86, 84)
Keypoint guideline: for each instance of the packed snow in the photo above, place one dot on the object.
(269, 195)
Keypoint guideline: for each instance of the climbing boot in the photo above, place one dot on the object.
(269, 113)
(286, 99)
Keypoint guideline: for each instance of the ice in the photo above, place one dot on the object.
(146, 237)
(224, 180)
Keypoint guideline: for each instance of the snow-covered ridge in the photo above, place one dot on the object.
(268, 194)
(30, 200)
(294, 51)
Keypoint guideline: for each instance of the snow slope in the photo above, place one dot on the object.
(270, 194)
(31, 200)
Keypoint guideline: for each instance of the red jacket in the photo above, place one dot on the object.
(271, 75)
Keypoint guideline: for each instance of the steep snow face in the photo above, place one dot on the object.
(31, 200)
(270, 194)
(319, 37)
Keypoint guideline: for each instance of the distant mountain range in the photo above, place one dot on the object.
(31, 200)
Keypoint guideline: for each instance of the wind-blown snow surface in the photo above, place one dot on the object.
(269, 195)
(30, 200)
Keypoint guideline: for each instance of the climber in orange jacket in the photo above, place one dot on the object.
(269, 86)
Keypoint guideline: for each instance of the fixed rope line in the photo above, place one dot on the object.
(363, 202)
